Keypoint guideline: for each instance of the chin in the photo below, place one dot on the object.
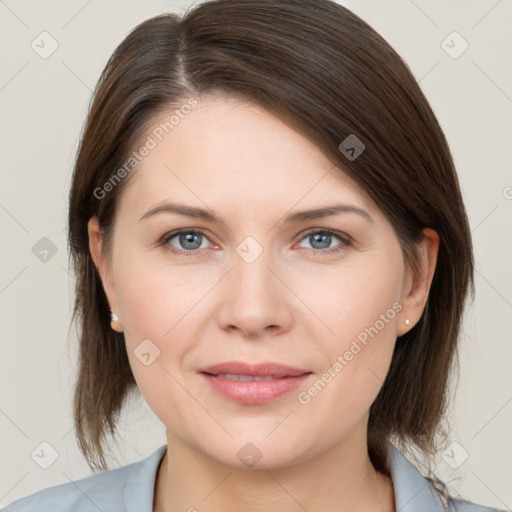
(255, 452)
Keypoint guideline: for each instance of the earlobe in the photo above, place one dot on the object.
(417, 287)
(115, 324)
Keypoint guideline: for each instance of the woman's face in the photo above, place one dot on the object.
(259, 284)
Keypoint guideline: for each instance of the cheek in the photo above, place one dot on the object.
(154, 303)
(162, 310)
(368, 327)
(350, 299)
(154, 296)
(359, 310)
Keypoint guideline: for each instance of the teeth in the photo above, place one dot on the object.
(244, 378)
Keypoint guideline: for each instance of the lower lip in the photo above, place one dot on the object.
(255, 392)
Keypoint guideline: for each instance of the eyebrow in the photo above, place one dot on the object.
(208, 216)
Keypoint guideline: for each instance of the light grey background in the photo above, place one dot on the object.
(44, 103)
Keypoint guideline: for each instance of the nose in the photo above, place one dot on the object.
(256, 299)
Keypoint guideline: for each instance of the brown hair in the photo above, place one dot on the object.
(328, 74)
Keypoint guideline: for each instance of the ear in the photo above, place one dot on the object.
(102, 264)
(417, 286)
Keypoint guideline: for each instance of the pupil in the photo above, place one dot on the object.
(318, 238)
(187, 240)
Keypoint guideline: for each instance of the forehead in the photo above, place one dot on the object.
(229, 150)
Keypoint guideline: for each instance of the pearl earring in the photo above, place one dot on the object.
(407, 321)
(114, 322)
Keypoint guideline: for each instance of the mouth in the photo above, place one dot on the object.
(245, 378)
(253, 384)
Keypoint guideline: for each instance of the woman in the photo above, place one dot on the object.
(271, 245)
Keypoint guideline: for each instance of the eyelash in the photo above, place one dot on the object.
(346, 241)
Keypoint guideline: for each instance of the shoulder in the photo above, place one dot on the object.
(108, 491)
(414, 493)
(81, 495)
(460, 505)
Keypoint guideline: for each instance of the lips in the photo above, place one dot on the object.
(276, 370)
(253, 383)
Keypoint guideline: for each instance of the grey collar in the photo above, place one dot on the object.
(413, 492)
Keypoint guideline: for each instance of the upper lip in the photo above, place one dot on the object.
(260, 369)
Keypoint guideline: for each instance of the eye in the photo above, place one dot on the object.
(187, 241)
(321, 240)
(190, 242)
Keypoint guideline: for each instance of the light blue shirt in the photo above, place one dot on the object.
(131, 489)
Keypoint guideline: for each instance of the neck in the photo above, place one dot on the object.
(342, 480)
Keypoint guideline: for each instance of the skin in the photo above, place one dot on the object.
(290, 305)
